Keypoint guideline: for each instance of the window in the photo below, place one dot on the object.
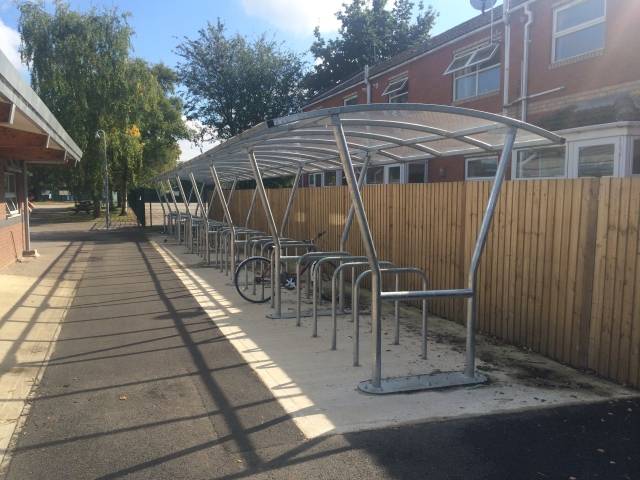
(481, 168)
(375, 175)
(635, 162)
(10, 195)
(331, 178)
(393, 174)
(397, 90)
(596, 160)
(417, 172)
(578, 28)
(541, 163)
(351, 99)
(475, 72)
(315, 179)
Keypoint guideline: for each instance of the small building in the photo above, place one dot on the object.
(566, 65)
(29, 135)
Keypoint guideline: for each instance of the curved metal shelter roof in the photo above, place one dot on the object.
(387, 133)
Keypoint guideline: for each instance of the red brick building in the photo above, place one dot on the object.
(568, 65)
(29, 134)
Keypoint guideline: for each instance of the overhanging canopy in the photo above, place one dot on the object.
(388, 133)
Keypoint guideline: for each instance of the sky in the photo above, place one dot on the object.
(160, 25)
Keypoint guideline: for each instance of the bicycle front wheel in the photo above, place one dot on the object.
(253, 279)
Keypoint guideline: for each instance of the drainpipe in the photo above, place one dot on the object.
(525, 62)
(507, 55)
(367, 83)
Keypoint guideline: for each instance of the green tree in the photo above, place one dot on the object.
(234, 83)
(150, 125)
(369, 33)
(77, 63)
(81, 68)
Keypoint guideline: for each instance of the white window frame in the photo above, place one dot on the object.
(514, 163)
(631, 150)
(471, 159)
(573, 150)
(346, 99)
(476, 73)
(314, 176)
(11, 198)
(577, 28)
(338, 178)
(398, 84)
(386, 173)
(472, 61)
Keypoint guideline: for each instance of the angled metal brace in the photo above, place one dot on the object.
(274, 233)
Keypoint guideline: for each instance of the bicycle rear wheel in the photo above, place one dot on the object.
(252, 279)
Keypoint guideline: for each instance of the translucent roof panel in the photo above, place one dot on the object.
(386, 133)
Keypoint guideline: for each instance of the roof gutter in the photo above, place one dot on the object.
(507, 55)
(524, 90)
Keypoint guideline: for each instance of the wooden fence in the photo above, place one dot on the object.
(560, 273)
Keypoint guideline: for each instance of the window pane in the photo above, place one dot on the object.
(596, 161)
(416, 173)
(465, 87)
(635, 169)
(375, 175)
(489, 80)
(541, 163)
(582, 41)
(458, 62)
(580, 13)
(351, 101)
(394, 174)
(330, 178)
(482, 167)
(315, 180)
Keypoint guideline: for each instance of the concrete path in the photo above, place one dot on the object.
(142, 384)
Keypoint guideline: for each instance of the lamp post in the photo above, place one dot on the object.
(101, 134)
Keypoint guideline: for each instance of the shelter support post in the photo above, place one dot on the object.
(227, 216)
(292, 195)
(27, 252)
(472, 302)
(231, 192)
(178, 215)
(347, 229)
(198, 198)
(369, 246)
(187, 229)
(251, 205)
(273, 230)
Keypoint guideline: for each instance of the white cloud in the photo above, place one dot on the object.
(296, 16)
(189, 149)
(9, 44)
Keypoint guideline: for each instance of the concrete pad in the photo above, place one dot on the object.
(317, 386)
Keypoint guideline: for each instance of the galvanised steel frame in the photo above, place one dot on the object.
(371, 135)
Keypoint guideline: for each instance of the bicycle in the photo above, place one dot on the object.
(252, 277)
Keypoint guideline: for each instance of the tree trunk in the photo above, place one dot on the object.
(123, 200)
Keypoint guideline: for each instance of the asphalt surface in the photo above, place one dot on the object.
(143, 385)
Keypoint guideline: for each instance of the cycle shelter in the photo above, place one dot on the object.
(353, 138)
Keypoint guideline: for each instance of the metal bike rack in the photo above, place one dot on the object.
(355, 310)
(380, 134)
(316, 283)
(334, 294)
